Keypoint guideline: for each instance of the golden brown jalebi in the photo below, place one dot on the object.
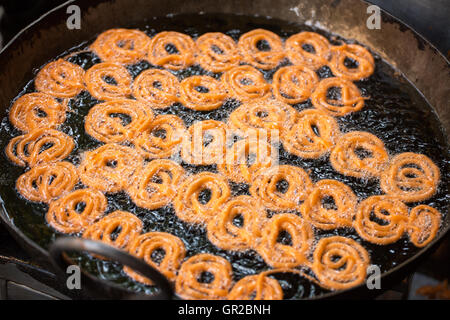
(225, 234)
(155, 185)
(360, 55)
(381, 219)
(281, 187)
(108, 81)
(117, 229)
(39, 146)
(109, 168)
(202, 93)
(350, 97)
(193, 204)
(340, 263)
(261, 48)
(217, 52)
(190, 285)
(411, 177)
(161, 137)
(172, 50)
(47, 181)
(76, 211)
(35, 111)
(245, 83)
(256, 287)
(294, 84)
(280, 255)
(312, 136)
(159, 88)
(423, 225)
(60, 79)
(315, 211)
(147, 244)
(124, 46)
(117, 120)
(205, 143)
(298, 53)
(369, 163)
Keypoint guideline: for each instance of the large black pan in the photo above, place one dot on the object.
(395, 42)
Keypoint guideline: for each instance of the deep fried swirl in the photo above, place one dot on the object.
(423, 225)
(308, 49)
(246, 83)
(256, 287)
(217, 52)
(365, 64)
(108, 81)
(202, 93)
(294, 84)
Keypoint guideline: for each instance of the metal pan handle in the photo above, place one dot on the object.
(103, 289)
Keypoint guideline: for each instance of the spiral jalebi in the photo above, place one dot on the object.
(298, 53)
(217, 52)
(294, 84)
(256, 287)
(246, 83)
(108, 81)
(360, 55)
(202, 93)
(423, 225)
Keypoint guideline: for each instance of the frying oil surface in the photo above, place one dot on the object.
(396, 113)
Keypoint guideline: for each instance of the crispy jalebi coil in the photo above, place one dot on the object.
(349, 100)
(308, 49)
(340, 263)
(172, 50)
(190, 283)
(117, 229)
(109, 168)
(381, 219)
(261, 48)
(124, 46)
(359, 154)
(365, 64)
(313, 135)
(227, 233)
(39, 146)
(205, 143)
(281, 187)
(47, 181)
(60, 79)
(245, 158)
(202, 93)
(200, 197)
(117, 120)
(161, 137)
(159, 88)
(286, 255)
(256, 287)
(147, 245)
(37, 110)
(155, 185)
(108, 81)
(330, 205)
(217, 52)
(424, 223)
(246, 83)
(294, 84)
(411, 177)
(76, 211)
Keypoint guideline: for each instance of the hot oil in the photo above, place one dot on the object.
(395, 112)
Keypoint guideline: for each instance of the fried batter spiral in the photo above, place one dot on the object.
(60, 79)
(202, 93)
(345, 158)
(217, 52)
(124, 46)
(312, 136)
(108, 81)
(340, 262)
(411, 177)
(256, 287)
(350, 98)
(261, 48)
(269, 186)
(246, 83)
(315, 58)
(155, 185)
(172, 50)
(294, 84)
(159, 88)
(39, 146)
(391, 219)
(117, 120)
(189, 203)
(145, 245)
(47, 181)
(189, 284)
(424, 223)
(76, 211)
(357, 53)
(35, 111)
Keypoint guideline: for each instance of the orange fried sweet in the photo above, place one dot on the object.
(246, 83)
(202, 93)
(108, 81)
(256, 287)
(294, 84)
(217, 52)
(365, 63)
(313, 57)
(423, 225)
